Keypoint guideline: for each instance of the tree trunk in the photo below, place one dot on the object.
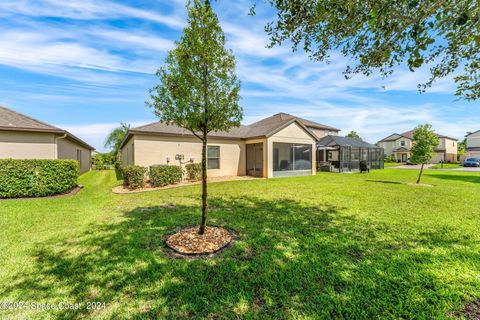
(420, 174)
(204, 186)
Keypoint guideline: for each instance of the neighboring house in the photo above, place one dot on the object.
(399, 146)
(473, 145)
(22, 137)
(281, 145)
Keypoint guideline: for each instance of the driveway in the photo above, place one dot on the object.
(412, 167)
(468, 169)
(428, 167)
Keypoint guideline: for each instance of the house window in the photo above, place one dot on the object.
(402, 143)
(79, 157)
(213, 157)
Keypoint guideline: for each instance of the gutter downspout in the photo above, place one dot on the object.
(56, 143)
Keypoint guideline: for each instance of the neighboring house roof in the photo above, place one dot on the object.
(263, 128)
(409, 135)
(393, 137)
(11, 120)
(473, 149)
(345, 142)
(470, 133)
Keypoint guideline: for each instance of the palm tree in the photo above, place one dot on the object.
(116, 136)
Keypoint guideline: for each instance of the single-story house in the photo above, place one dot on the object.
(280, 145)
(399, 146)
(23, 137)
(473, 145)
(344, 154)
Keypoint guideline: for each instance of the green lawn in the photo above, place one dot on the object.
(446, 166)
(330, 246)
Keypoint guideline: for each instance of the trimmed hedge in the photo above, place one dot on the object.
(164, 175)
(36, 178)
(194, 171)
(134, 176)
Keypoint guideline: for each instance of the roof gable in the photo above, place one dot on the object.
(279, 117)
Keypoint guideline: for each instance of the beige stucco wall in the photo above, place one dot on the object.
(389, 146)
(27, 145)
(152, 149)
(291, 134)
(449, 145)
(67, 149)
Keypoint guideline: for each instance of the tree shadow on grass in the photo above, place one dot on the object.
(291, 260)
(462, 178)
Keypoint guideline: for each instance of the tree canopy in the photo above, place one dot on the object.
(378, 35)
(425, 143)
(354, 135)
(116, 136)
(198, 88)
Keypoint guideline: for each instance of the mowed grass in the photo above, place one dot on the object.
(353, 246)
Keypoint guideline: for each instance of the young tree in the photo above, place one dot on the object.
(425, 142)
(462, 148)
(115, 138)
(354, 135)
(381, 34)
(198, 88)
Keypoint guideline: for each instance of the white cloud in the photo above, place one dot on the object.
(95, 133)
(86, 10)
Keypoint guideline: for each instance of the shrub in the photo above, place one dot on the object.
(194, 171)
(164, 175)
(36, 178)
(134, 176)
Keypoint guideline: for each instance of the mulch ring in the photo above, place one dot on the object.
(471, 311)
(186, 243)
(72, 192)
(420, 185)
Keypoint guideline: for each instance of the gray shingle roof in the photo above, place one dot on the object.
(14, 121)
(409, 135)
(262, 128)
(11, 119)
(344, 142)
(285, 116)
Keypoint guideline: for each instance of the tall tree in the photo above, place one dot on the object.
(425, 143)
(198, 88)
(354, 135)
(462, 148)
(115, 138)
(381, 34)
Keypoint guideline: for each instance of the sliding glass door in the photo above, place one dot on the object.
(291, 159)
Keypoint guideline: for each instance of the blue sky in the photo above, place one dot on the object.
(86, 65)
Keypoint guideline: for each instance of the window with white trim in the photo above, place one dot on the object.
(213, 157)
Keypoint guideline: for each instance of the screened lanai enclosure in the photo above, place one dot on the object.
(342, 154)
